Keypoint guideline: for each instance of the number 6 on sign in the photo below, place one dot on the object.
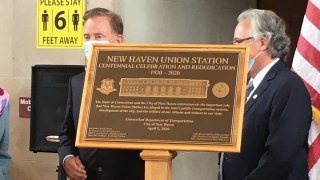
(60, 21)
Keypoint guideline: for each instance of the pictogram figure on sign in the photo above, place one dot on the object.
(75, 20)
(45, 19)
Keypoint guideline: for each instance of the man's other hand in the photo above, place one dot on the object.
(74, 168)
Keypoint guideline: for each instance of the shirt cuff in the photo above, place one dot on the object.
(69, 155)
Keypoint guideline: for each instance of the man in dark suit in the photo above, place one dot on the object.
(277, 112)
(96, 164)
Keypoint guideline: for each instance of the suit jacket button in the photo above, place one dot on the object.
(100, 169)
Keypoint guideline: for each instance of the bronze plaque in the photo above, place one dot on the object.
(171, 97)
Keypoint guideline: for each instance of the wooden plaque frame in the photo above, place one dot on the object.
(237, 109)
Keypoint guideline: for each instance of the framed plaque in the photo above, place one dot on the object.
(164, 97)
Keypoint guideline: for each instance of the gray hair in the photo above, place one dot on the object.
(266, 23)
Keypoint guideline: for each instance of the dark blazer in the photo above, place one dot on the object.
(104, 164)
(277, 118)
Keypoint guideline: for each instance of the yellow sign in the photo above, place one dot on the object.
(59, 23)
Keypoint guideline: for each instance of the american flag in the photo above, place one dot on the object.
(306, 63)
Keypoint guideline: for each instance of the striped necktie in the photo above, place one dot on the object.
(249, 88)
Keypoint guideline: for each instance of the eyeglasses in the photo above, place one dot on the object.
(239, 40)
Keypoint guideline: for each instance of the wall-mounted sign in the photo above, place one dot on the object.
(59, 23)
(24, 107)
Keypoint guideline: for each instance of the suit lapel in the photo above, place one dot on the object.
(264, 85)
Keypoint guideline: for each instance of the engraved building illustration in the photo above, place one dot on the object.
(159, 87)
